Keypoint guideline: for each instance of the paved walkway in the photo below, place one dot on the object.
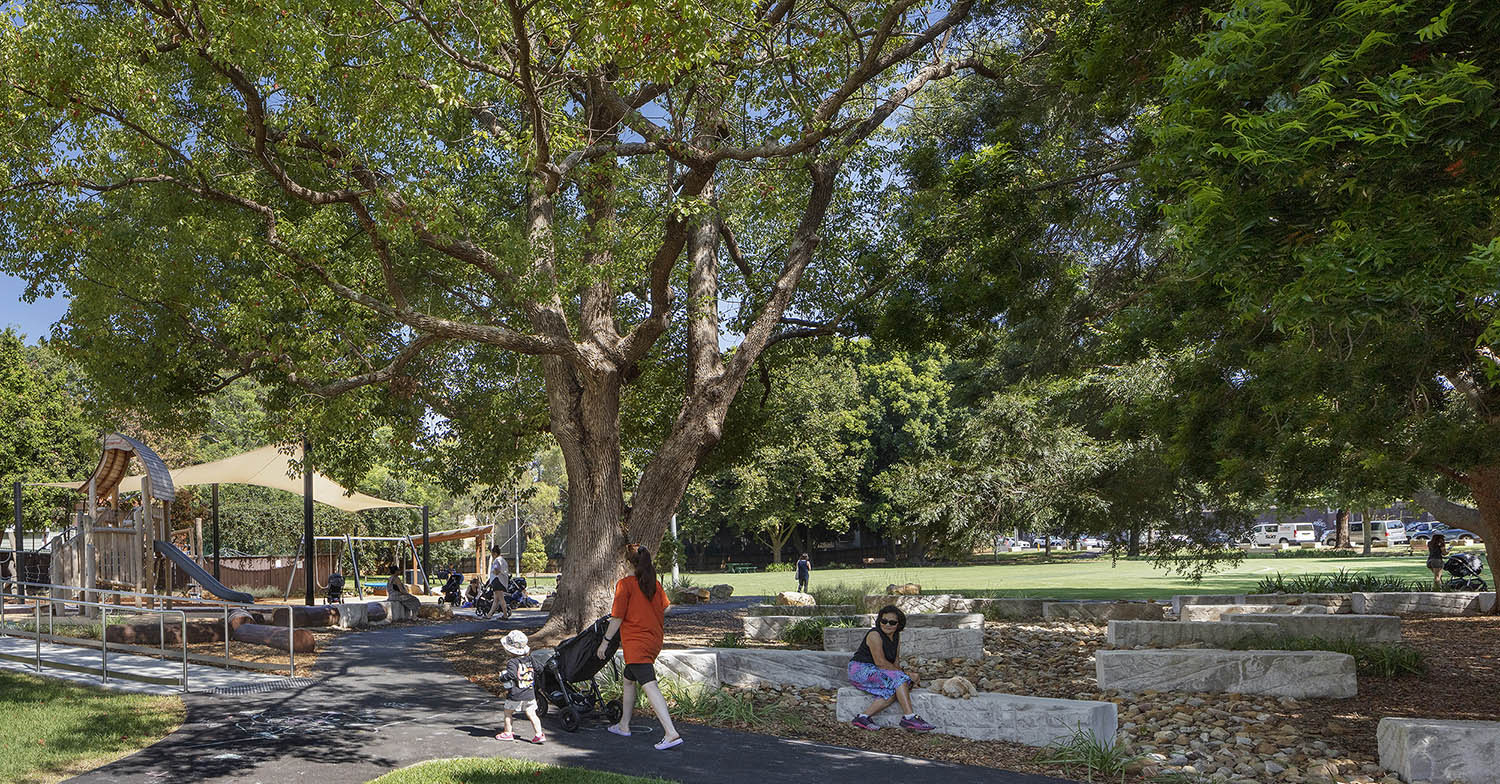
(381, 703)
(139, 674)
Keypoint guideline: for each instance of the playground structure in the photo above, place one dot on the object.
(352, 550)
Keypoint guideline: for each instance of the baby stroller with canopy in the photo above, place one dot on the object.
(1465, 568)
(452, 589)
(515, 597)
(335, 588)
(567, 681)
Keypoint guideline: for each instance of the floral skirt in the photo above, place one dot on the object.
(881, 683)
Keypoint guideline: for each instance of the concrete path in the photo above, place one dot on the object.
(381, 702)
(138, 674)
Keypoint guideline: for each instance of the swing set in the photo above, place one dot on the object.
(352, 551)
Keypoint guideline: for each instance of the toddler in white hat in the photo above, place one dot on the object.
(519, 680)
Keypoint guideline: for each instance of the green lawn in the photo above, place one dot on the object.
(497, 770)
(54, 730)
(1082, 579)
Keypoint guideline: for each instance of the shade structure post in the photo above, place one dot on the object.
(20, 539)
(426, 550)
(307, 521)
(217, 546)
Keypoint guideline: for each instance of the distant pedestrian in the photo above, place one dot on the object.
(519, 681)
(1435, 559)
(804, 571)
(873, 670)
(499, 582)
(637, 615)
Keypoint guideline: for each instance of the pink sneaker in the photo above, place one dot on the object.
(864, 723)
(538, 738)
(506, 736)
(916, 724)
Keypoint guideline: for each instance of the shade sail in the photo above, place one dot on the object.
(266, 467)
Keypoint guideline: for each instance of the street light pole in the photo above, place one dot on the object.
(675, 579)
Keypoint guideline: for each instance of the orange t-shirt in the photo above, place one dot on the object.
(641, 627)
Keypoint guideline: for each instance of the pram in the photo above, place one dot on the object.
(335, 588)
(1465, 568)
(567, 681)
(452, 589)
(515, 597)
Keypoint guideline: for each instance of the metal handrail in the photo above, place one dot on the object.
(223, 604)
(103, 631)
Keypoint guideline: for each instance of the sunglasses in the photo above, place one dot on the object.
(889, 622)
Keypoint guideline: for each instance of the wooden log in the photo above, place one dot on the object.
(238, 618)
(274, 637)
(377, 612)
(319, 616)
(150, 633)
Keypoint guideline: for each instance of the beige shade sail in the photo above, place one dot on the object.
(266, 467)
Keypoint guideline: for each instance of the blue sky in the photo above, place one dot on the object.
(32, 319)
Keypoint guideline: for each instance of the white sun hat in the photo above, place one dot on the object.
(515, 643)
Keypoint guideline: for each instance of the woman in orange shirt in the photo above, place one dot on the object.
(637, 616)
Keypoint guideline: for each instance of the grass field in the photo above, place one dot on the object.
(54, 730)
(1074, 579)
(497, 770)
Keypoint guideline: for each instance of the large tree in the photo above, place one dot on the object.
(423, 213)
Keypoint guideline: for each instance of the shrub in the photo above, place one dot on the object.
(1380, 659)
(268, 591)
(729, 640)
(845, 593)
(808, 632)
(780, 567)
(1084, 749)
(1344, 581)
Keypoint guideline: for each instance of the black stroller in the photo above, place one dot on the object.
(1465, 568)
(515, 597)
(335, 588)
(567, 681)
(452, 591)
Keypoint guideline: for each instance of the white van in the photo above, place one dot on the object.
(1385, 532)
(1272, 534)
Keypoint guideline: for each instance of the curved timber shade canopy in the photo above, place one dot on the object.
(267, 466)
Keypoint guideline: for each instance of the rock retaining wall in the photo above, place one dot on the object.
(1009, 609)
(1034, 721)
(1169, 634)
(1337, 603)
(1103, 611)
(1365, 628)
(1439, 750)
(768, 628)
(1295, 674)
(928, 643)
(792, 609)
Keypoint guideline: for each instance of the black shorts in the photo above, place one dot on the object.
(640, 673)
(497, 584)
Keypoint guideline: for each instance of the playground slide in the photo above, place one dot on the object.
(203, 578)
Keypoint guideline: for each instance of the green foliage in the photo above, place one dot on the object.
(780, 567)
(668, 553)
(1344, 581)
(1084, 749)
(503, 770)
(808, 632)
(728, 640)
(1379, 659)
(831, 593)
(45, 432)
(534, 559)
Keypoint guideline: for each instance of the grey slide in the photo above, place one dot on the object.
(202, 577)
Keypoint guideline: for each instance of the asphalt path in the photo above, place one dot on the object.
(381, 702)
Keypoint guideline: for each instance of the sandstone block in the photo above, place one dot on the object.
(1103, 611)
(353, 615)
(721, 592)
(1034, 721)
(1366, 628)
(909, 589)
(1183, 600)
(950, 620)
(804, 610)
(1216, 612)
(1018, 609)
(1337, 603)
(1168, 634)
(929, 643)
(1296, 674)
(1424, 602)
(767, 628)
(750, 667)
(795, 598)
(1439, 749)
(931, 603)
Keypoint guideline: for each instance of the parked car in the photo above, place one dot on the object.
(1271, 534)
(1389, 532)
(1421, 532)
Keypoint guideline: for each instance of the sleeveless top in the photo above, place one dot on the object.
(1434, 549)
(889, 644)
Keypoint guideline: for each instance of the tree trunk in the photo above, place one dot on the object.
(1484, 483)
(1341, 522)
(1134, 548)
(1366, 525)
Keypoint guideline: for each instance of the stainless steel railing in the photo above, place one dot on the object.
(36, 633)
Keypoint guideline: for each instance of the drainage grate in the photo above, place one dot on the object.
(277, 684)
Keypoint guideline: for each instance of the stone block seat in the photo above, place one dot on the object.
(1337, 603)
(1364, 628)
(945, 620)
(1034, 721)
(1424, 602)
(1296, 674)
(803, 610)
(1216, 612)
(767, 628)
(1439, 750)
(1101, 611)
(928, 643)
(1169, 634)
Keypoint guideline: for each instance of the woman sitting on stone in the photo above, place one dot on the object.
(873, 670)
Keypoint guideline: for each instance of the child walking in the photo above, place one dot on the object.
(519, 679)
